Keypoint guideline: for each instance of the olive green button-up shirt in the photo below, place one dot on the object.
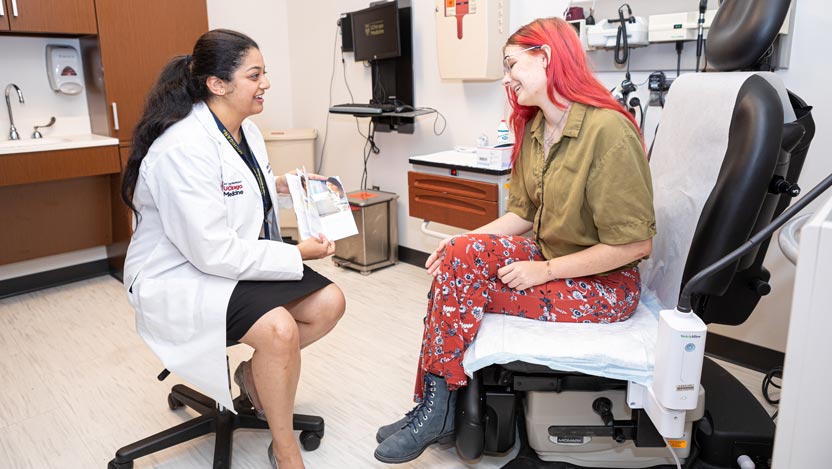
(593, 187)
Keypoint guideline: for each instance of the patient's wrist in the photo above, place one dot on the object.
(549, 275)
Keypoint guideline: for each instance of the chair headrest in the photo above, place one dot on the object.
(742, 32)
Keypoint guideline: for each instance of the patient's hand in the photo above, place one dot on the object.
(521, 275)
(435, 260)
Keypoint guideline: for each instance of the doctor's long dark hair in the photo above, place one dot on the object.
(182, 84)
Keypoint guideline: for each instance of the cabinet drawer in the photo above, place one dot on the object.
(53, 16)
(27, 168)
(482, 191)
(451, 209)
(54, 217)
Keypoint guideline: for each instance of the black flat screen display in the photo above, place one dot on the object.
(375, 32)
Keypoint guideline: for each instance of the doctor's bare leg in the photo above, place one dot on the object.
(318, 313)
(277, 338)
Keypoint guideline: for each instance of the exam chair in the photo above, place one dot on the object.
(212, 418)
(567, 419)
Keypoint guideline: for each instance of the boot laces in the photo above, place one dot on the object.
(419, 414)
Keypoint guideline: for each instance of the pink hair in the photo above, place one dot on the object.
(567, 73)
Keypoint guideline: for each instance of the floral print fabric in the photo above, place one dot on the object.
(467, 287)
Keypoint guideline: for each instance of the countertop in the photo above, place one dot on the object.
(63, 142)
(461, 160)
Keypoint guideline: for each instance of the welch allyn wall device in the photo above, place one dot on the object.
(680, 345)
(680, 350)
(63, 66)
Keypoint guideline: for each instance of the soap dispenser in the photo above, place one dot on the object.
(63, 67)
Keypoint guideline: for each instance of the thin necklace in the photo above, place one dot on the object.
(549, 140)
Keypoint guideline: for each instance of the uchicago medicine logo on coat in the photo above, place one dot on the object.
(232, 189)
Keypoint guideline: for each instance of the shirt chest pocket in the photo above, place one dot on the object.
(561, 185)
(569, 160)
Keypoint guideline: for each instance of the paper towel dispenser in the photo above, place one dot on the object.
(63, 66)
(470, 35)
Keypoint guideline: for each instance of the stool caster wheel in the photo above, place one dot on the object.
(311, 440)
(173, 403)
(123, 465)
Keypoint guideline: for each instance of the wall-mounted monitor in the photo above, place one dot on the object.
(375, 32)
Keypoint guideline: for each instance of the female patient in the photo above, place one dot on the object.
(580, 181)
(206, 263)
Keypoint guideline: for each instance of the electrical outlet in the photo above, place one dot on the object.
(376, 188)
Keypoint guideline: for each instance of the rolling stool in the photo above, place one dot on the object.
(213, 418)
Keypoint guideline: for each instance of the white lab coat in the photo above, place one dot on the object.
(200, 217)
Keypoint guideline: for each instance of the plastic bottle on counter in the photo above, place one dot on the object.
(502, 133)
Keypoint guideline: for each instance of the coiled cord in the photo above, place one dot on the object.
(622, 54)
(768, 382)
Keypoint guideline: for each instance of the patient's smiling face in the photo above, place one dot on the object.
(525, 73)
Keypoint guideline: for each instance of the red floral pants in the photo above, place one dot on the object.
(467, 287)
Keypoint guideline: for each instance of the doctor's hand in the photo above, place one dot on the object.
(435, 260)
(282, 186)
(316, 247)
(521, 275)
(316, 176)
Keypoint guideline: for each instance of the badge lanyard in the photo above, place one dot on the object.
(252, 165)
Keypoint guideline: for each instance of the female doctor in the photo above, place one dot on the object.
(206, 263)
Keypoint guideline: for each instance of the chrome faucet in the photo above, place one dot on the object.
(13, 135)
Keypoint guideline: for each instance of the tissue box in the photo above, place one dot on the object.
(498, 156)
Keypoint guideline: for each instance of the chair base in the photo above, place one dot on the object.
(734, 423)
(527, 458)
(212, 419)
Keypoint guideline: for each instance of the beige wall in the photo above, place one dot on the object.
(308, 37)
(265, 22)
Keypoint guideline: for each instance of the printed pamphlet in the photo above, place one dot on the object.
(321, 206)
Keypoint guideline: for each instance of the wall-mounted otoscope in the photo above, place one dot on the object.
(700, 35)
(622, 49)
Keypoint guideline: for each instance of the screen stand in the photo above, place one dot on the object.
(393, 79)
